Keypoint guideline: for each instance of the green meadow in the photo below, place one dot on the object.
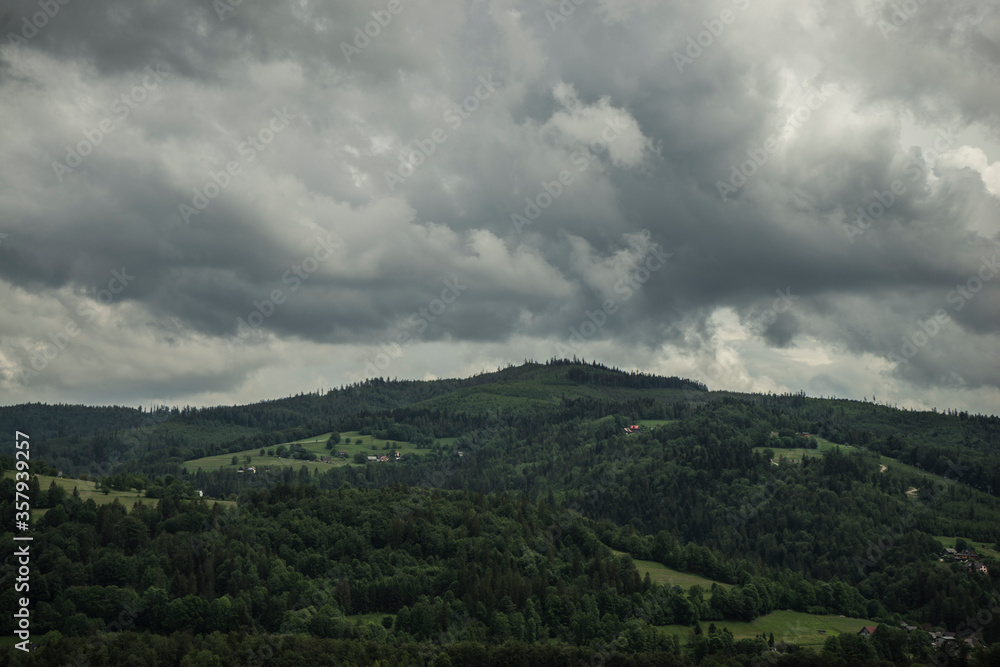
(661, 574)
(88, 491)
(368, 444)
(653, 423)
(793, 627)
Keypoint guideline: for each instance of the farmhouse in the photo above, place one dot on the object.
(938, 639)
(634, 428)
(867, 631)
(965, 555)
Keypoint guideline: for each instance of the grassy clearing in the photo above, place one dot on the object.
(375, 618)
(368, 444)
(794, 627)
(89, 491)
(662, 574)
(795, 454)
(653, 423)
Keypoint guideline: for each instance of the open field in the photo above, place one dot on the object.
(662, 574)
(794, 627)
(368, 444)
(375, 618)
(89, 491)
(653, 423)
(795, 456)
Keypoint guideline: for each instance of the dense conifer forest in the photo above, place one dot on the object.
(525, 531)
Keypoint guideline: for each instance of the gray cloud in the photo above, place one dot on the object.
(748, 165)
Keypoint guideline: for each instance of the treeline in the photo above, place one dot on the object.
(143, 649)
(389, 574)
(294, 559)
(699, 479)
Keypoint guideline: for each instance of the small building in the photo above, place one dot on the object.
(372, 458)
(398, 456)
(939, 639)
(252, 470)
(976, 567)
(240, 470)
(867, 631)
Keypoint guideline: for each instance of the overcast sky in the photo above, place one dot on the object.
(221, 202)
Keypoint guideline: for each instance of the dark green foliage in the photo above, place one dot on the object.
(501, 556)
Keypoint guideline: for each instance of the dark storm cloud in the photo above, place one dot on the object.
(745, 160)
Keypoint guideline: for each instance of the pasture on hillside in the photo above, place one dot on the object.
(793, 627)
(661, 574)
(367, 444)
(88, 491)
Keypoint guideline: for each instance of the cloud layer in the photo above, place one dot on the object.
(219, 202)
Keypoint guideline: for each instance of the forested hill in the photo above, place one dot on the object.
(494, 525)
(96, 439)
